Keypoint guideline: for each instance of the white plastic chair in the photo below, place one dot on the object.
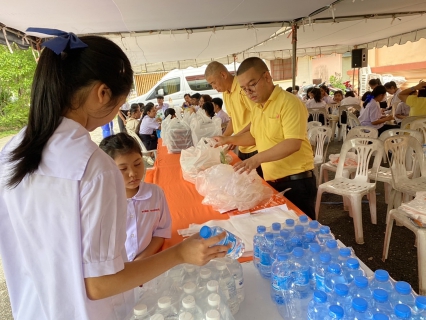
(419, 125)
(353, 121)
(312, 124)
(400, 217)
(402, 184)
(344, 126)
(145, 152)
(406, 122)
(320, 137)
(354, 189)
(333, 116)
(315, 113)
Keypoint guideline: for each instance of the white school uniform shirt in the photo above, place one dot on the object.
(328, 100)
(61, 224)
(402, 109)
(148, 216)
(148, 125)
(313, 104)
(350, 100)
(371, 113)
(223, 115)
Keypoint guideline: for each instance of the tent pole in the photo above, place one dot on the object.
(293, 57)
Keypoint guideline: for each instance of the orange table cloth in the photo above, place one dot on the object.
(183, 199)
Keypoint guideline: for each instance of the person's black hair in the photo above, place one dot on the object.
(297, 88)
(134, 108)
(422, 93)
(149, 106)
(377, 91)
(325, 88)
(120, 144)
(350, 94)
(338, 92)
(196, 96)
(365, 95)
(160, 97)
(317, 94)
(208, 108)
(186, 94)
(289, 89)
(141, 105)
(169, 111)
(309, 90)
(62, 82)
(374, 82)
(218, 102)
(390, 85)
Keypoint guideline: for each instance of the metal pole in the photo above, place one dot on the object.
(294, 57)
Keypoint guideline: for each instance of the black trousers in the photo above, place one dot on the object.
(387, 127)
(320, 118)
(150, 141)
(244, 156)
(303, 193)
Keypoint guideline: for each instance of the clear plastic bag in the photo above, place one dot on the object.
(204, 127)
(177, 136)
(224, 189)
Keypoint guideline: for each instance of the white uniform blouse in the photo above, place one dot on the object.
(148, 125)
(63, 223)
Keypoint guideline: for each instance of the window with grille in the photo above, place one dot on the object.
(281, 69)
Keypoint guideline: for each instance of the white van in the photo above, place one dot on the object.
(174, 85)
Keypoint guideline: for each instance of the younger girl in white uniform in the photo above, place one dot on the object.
(148, 127)
(148, 216)
(62, 199)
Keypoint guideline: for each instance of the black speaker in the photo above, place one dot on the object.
(359, 58)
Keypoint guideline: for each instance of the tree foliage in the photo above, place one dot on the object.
(16, 76)
(336, 82)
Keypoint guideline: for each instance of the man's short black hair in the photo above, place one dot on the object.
(289, 89)
(196, 96)
(160, 97)
(218, 102)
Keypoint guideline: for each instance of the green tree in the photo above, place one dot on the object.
(16, 76)
(336, 82)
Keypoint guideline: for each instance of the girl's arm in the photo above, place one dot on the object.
(120, 114)
(194, 250)
(153, 247)
(403, 95)
(381, 120)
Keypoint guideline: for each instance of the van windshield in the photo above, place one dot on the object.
(198, 83)
(169, 87)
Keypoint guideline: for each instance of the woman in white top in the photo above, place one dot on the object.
(315, 101)
(325, 95)
(62, 199)
(393, 90)
(371, 115)
(148, 127)
(373, 83)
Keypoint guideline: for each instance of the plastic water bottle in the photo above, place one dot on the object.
(419, 310)
(301, 284)
(304, 221)
(335, 312)
(403, 295)
(285, 235)
(257, 240)
(265, 255)
(382, 280)
(237, 248)
(299, 230)
(166, 309)
(344, 254)
(140, 312)
(380, 316)
(190, 274)
(215, 303)
(157, 316)
(313, 258)
(236, 270)
(204, 276)
(276, 227)
(401, 311)
(341, 297)
(227, 285)
(359, 310)
(308, 238)
(333, 276)
(188, 288)
(211, 287)
(213, 315)
(381, 302)
(324, 235)
(318, 307)
(189, 306)
(186, 316)
(333, 249)
(289, 225)
(320, 270)
(352, 270)
(314, 226)
(296, 241)
(279, 247)
(281, 277)
(361, 289)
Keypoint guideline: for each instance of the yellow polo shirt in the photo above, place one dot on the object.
(282, 117)
(417, 106)
(238, 107)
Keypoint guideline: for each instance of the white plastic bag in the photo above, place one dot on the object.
(224, 189)
(178, 136)
(204, 127)
(164, 128)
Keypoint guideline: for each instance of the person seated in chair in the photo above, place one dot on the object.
(315, 102)
(134, 116)
(148, 127)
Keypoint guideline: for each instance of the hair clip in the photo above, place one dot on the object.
(62, 41)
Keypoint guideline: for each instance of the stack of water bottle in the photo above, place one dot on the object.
(188, 292)
(312, 278)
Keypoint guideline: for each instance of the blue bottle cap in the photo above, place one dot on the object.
(334, 268)
(380, 295)
(310, 235)
(299, 229)
(284, 233)
(325, 257)
(261, 229)
(341, 289)
(325, 230)
(336, 312)
(303, 218)
(205, 232)
(289, 222)
(313, 224)
(380, 316)
(344, 252)
(403, 287)
(361, 282)
(320, 296)
(359, 304)
(282, 256)
(352, 263)
(269, 236)
(276, 226)
(279, 242)
(314, 247)
(298, 252)
(402, 311)
(331, 244)
(421, 302)
(381, 275)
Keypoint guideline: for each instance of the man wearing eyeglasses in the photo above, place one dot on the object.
(237, 105)
(279, 130)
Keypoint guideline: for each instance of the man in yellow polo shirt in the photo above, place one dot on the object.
(237, 105)
(279, 130)
(417, 103)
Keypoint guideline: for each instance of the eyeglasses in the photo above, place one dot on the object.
(252, 87)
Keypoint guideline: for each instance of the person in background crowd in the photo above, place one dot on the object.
(374, 83)
(237, 104)
(295, 91)
(195, 101)
(315, 102)
(402, 110)
(187, 103)
(393, 90)
(170, 112)
(148, 215)
(308, 97)
(350, 99)
(148, 126)
(217, 104)
(417, 104)
(338, 97)
(209, 109)
(161, 106)
(122, 116)
(205, 98)
(134, 116)
(278, 127)
(371, 115)
(141, 106)
(325, 91)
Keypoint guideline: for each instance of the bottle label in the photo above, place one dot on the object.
(265, 258)
(256, 251)
(239, 283)
(301, 277)
(281, 283)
